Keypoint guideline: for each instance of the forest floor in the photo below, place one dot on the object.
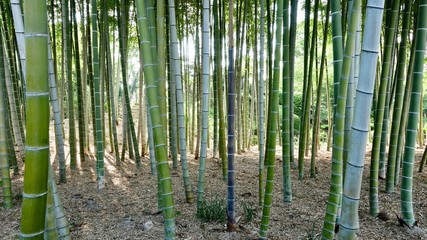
(129, 200)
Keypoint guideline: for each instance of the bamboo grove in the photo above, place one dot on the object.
(213, 79)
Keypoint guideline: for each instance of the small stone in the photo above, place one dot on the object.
(148, 226)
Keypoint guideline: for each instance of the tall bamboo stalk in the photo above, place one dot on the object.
(272, 124)
(231, 214)
(261, 118)
(159, 140)
(349, 223)
(398, 103)
(379, 113)
(406, 203)
(37, 125)
(205, 102)
(180, 103)
(335, 190)
(4, 155)
(97, 97)
(286, 84)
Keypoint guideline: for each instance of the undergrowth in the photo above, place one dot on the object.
(213, 211)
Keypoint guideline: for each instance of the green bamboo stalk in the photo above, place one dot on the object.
(349, 221)
(261, 118)
(180, 103)
(405, 110)
(272, 124)
(335, 190)
(337, 42)
(414, 108)
(153, 163)
(18, 23)
(9, 131)
(306, 97)
(216, 73)
(123, 62)
(423, 161)
(67, 44)
(98, 120)
(318, 98)
(11, 83)
(379, 113)
(219, 50)
(286, 84)
(51, 227)
(37, 124)
(310, 91)
(173, 131)
(216, 35)
(61, 219)
(159, 141)
(59, 137)
(350, 98)
(4, 155)
(90, 78)
(205, 103)
(161, 66)
(292, 43)
(104, 16)
(80, 109)
(397, 111)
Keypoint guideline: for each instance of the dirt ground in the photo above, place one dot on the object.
(129, 200)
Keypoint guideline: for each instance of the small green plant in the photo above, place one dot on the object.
(249, 212)
(311, 234)
(213, 211)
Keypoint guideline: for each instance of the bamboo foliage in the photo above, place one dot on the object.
(406, 203)
(349, 221)
(37, 124)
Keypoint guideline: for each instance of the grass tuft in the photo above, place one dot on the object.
(213, 211)
(249, 212)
